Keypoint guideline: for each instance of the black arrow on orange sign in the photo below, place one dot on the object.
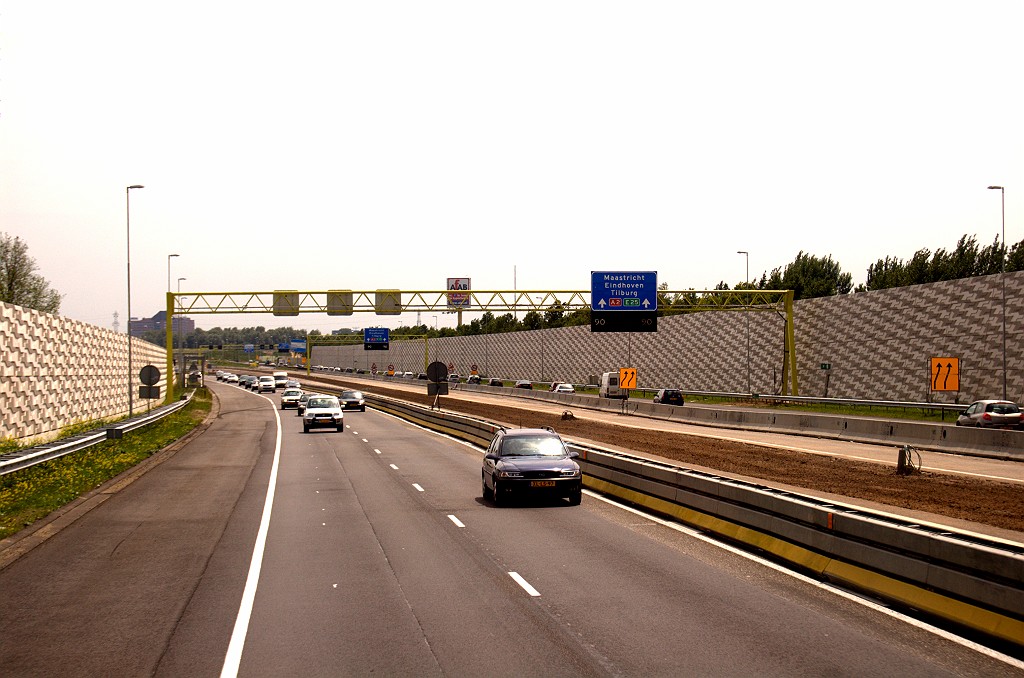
(938, 372)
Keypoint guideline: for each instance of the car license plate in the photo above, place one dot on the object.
(542, 483)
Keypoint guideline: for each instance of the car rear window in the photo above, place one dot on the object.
(1003, 408)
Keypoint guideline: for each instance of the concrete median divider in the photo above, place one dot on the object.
(965, 579)
(982, 442)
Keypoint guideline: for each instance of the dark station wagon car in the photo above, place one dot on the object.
(530, 461)
(353, 400)
(669, 396)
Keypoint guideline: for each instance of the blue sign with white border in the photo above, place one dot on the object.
(624, 290)
(376, 338)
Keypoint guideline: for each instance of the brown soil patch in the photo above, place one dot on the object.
(978, 500)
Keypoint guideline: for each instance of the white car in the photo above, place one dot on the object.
(564, 388)
(266, 383)
(290, 398)
(323, 411)
(231, 378)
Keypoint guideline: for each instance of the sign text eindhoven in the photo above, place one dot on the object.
(623, 301)
(376, 339)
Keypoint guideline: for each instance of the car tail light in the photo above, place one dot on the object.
(987, 416)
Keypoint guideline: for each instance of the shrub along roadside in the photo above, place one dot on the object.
(33, 493)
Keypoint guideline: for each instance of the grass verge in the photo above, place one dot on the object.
(33, 493)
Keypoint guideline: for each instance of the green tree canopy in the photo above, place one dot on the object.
(19, 282)
(809, 277)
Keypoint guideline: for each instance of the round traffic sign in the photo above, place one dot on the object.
(149, 375)
(437, 372)
(391, 368)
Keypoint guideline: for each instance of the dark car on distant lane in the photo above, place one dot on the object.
(669, 396)
(353, 400)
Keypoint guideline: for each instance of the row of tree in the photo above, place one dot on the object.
(809, 276)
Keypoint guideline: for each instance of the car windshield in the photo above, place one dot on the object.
(532, 446)
(322, 402)
(352, 394)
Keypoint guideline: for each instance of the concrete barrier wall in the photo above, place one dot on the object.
(996, 444)
(877, 343)
(55, 372)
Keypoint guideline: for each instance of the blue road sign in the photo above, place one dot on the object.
(376, 339)
(624, 290)
(249, 348)
(298, 345)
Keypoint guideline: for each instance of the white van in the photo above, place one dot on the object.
(610, 387)
(281, 379)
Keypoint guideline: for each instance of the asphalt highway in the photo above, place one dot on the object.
(257, 550)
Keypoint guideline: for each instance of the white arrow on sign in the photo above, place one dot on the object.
(601, 304)
(647, 303)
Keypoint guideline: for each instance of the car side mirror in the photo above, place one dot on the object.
(573, 454)
(491, 456)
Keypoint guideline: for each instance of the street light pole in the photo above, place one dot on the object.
(169, 270)
(128, 242)
(746, 314)
(180, 346)
(1002, 279)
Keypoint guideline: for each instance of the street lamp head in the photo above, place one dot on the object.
(997, 188)
(173, 255)
(135, 186)
(741, 252)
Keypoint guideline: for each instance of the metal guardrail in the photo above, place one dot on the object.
(21, 459)
(970, 580)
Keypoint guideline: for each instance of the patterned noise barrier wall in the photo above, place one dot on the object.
(878, 346)
(55, 372)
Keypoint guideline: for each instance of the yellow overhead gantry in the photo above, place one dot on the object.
(395, 302)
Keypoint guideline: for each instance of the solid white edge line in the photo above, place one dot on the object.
(393, 466)
(981, 649)
(233, 658)
(458, 523)
(417, 486)
(525, 584)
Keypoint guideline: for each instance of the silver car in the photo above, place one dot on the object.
(290, 398)
(991, 414)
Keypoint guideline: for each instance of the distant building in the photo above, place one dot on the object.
(159, 323)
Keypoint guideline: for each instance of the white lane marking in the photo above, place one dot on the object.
(376, 450)
(417, 486)
(394, 467)
(458, 523)
(355, 433)
(525, 584)
(814, 582)
(365, 440)
(233, 658)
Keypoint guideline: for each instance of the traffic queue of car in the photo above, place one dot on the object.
(318, 410)
(518, 463)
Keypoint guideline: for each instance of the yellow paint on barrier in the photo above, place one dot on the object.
(989, 622)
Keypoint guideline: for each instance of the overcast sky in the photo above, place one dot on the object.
(366, 145)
